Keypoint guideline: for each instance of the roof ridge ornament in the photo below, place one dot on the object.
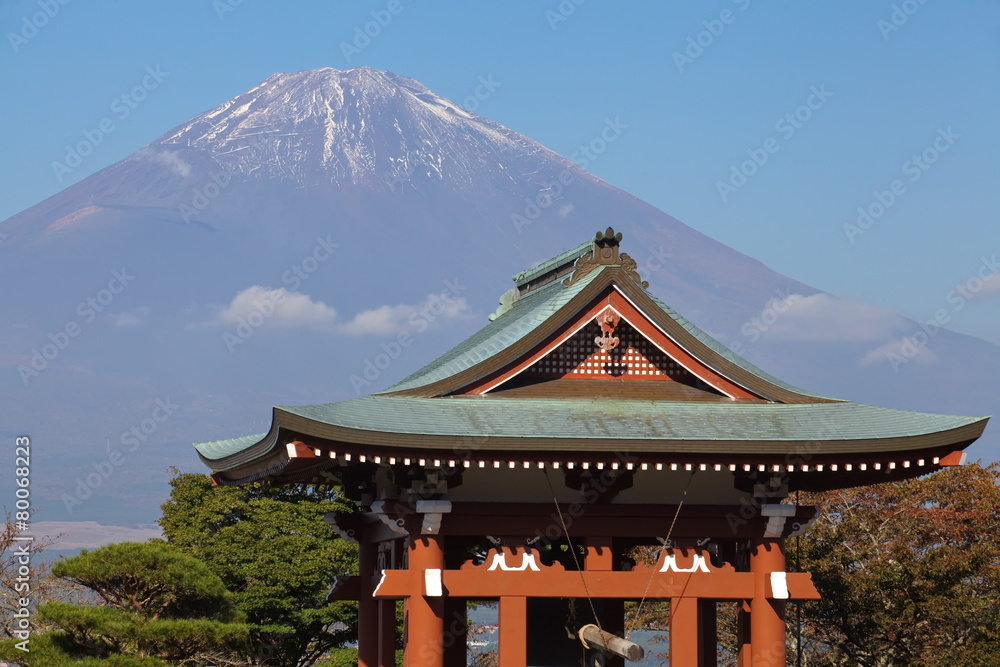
(604, 251)
(507, 300)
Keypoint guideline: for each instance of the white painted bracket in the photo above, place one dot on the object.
(432, 511)
(397, 526)
(779, 586)
(433, 587)
(527, 563)
(331, 520)
(777, 514)
(670, 564)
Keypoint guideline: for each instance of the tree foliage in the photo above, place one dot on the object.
(149, 579)
(909, 572)
(160, 606)
(271, 547)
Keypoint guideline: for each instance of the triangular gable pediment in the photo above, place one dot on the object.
(551, 316)
(609, 339)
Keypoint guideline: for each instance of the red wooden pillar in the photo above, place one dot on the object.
(368, 616)
(767, 615)
(512, 642)
(425, 614)
(743, 634)
(708, 633)
(386, 633)
(684, 631)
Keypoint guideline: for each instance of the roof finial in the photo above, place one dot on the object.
(606, 246)
(604, 252)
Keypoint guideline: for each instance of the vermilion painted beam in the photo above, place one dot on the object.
(475, 583)
(346, 588)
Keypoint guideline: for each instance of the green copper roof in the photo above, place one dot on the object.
(726, 353)
(532, 309)
(589, 425)
(567, 257)
(417, 413)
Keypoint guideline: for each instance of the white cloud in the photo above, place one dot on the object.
(900, 350)
(825, 317)
(379, 321)
(170, 159)
(277, 307)
(89, 534)
(991, 287)
(130, 318)
(565, 210)
(385, 320)
(262, 306)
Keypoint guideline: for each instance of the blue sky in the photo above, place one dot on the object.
(764, 125)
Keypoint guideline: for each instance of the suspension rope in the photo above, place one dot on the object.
(572, 550)
(652, 570)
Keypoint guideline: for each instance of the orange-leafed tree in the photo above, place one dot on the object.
(909, 572)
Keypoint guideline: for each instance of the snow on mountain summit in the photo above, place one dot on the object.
(359, 126)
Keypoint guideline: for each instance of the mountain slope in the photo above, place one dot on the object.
(376, 212)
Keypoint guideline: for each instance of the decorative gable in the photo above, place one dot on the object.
(610, 339)
(632, 357)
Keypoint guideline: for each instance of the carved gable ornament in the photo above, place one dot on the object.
(605, 252)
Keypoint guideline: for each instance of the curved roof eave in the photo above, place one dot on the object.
(594, 427)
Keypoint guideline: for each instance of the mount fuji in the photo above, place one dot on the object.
(325, 233)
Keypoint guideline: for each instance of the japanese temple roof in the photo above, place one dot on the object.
(539, 306)
(507, 392)
(401, 423)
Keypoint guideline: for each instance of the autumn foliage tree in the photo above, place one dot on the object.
(909, 572)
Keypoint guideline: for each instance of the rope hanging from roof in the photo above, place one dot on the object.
(652, 570)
